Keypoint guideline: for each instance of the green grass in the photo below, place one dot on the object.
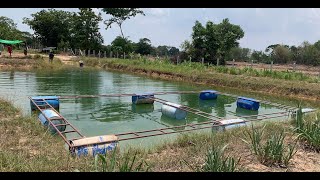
(6, 109)
(217, 161)
(30, 63)
(273, 151)
(286, 75)
(308, 130)
(115, 162)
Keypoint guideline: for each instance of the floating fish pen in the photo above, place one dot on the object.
(48, 107)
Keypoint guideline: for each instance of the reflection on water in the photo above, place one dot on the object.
(173, 122)
(142, 108)
(245, 112)
(100, 116)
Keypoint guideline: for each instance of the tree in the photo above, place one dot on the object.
(228, 34)
(28, 38)
(239, 54)
(8, 29)
(260, 56)
(143, 46)
(271, 47)
(162, 51)
(281, 54)
(121, 45)
(198, 41)
(119, 15)
(309, 54)
(85, 30)
(214, 41)
(317, 45)
(173, 51)
(52, 26)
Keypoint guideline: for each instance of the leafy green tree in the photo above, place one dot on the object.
(260, 56)
(270, 48)
(199, 43)
(52, 26)
(239, 54)
(143, 46)
(309, 54)
(173, 51)
(162, 51)
(281, 54)
(214, 41)
(28, 38)
(228, 36)
(119, 15)
(86, 33)
(317, 45)
(8, 29)
(121, 45)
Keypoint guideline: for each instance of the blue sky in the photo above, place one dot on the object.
(171, 26)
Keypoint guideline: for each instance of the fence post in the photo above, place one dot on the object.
(294, 66)
(251, 63)
(124, 55)
(271, 65)
(218, 62)
(202, 60)
(94, 53)
(99, 53)
(233, 63)
(105, 54)
(190, 59)
(110, 54)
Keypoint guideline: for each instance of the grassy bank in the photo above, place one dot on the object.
(26, 146)
(30, 62)
(282, 83)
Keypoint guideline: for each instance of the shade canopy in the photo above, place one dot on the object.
(10, 42)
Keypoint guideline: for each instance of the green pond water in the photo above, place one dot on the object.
(110, 115)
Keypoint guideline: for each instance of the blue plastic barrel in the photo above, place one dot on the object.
(208, 94)
(173, 112)
(52, 100)
(248, 103)
(91, 146)
(51, 114)
(143, 98)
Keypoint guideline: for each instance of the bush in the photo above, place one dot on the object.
(273, 151)
(308, 131)
(216, 161)
(114, 163)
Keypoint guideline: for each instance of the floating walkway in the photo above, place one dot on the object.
(281, 106)
(54, 120)
(82, 145)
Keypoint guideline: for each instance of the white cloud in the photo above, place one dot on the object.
(158, 12)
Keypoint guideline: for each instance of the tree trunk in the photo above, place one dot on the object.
(121, 31)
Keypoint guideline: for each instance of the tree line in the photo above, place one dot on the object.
(306, 53)
(213, 43)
